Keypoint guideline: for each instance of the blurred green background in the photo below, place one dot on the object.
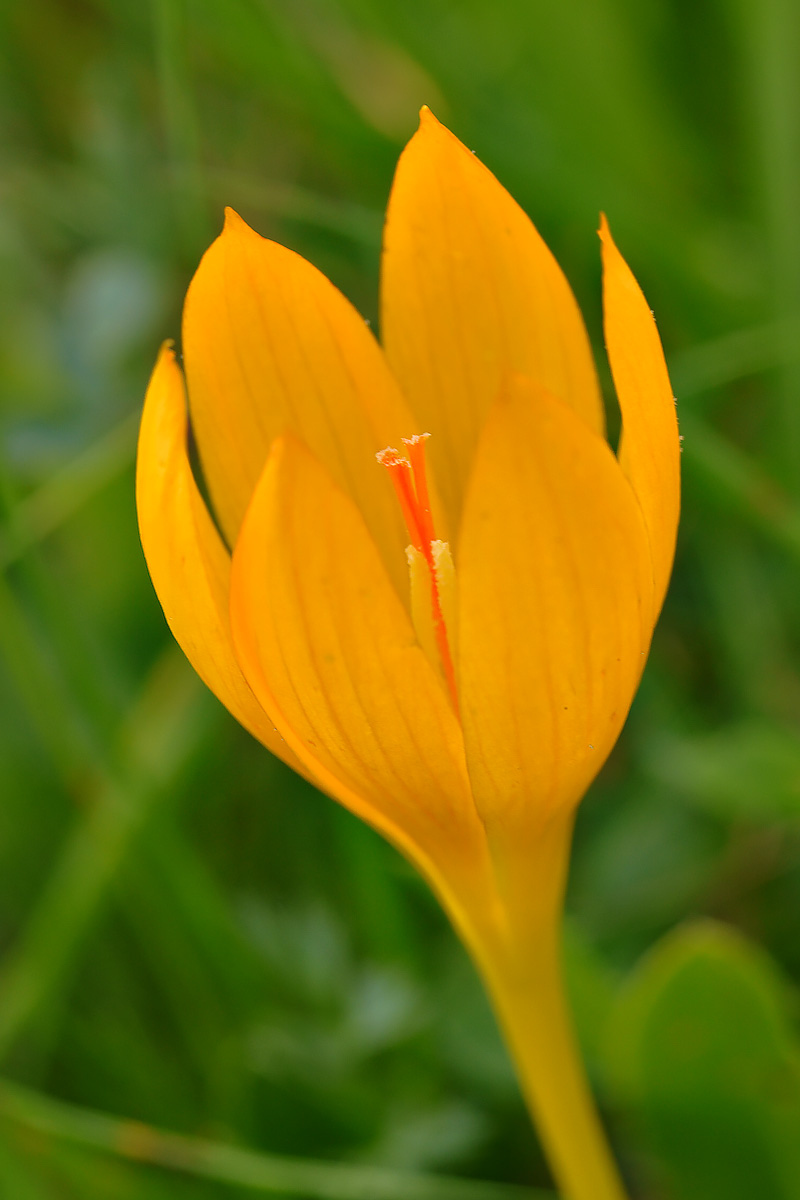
(213, 981)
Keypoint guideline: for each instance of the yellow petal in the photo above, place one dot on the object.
(187, 560)
(469, 293)
(650, 447)
(270, 345)
(555, 601)
(329, 649)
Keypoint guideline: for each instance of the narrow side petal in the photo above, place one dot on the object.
(271, 345)
(555, 600)
(188, 563)
(469, 293)
(328, 648)
(649, 451)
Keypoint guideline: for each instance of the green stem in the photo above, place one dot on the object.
(533, 1013)
(523, 974)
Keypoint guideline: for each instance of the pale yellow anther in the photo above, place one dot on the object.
(446, 586)
(421, 608)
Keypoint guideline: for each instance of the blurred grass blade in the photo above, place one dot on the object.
(68, 489)
(735, 356)
(770, 34)
(267, 1173)
(180, 124)
(60, 727)
(738, 482)
(17, 1179)
(292, 202)
(748, 770)
(381, 80)
(164, 732)
(52, 652)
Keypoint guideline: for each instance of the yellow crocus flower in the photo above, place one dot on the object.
(448, 647)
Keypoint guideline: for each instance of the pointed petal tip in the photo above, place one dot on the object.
(430, 124)
(649, 451)
(287, 452)
(469, 290)
(236, 224)
(518, 380)
(519, 388)
(604, 232)
(284, 446)
(166, 351)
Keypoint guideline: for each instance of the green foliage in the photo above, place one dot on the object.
(701, 1045)
(212, 980)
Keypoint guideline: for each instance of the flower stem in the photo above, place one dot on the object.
(533, 1014)
(524, 979)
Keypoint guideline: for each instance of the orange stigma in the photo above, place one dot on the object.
(409, 476)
